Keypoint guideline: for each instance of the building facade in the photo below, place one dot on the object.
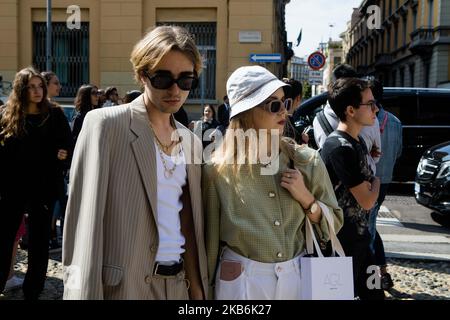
(334, 53)
(410, 49)
(346, 44)
(298, 69)
(98, 50)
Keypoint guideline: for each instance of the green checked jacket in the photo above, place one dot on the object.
(256, 217)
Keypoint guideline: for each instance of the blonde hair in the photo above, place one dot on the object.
(226, 155)
(149, 51)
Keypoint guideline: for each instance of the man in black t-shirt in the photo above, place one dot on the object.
(356, 187)
(347, 165)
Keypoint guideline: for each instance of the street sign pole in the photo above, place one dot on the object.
(49, 36)
(202, 86)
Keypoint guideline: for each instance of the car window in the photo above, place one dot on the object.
(404, 107)
(434, 109)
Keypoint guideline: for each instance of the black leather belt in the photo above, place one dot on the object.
(164, 270)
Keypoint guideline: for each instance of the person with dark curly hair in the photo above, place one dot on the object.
(34, 139)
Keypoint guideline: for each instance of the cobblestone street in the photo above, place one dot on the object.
(413, 279)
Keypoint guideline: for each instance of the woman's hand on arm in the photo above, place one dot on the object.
(292, 180)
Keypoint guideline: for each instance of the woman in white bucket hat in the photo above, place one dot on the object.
(258, 189)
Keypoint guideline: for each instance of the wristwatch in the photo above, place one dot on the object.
(313, 208)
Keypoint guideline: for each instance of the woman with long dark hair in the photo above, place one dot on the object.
(31, 146)
(53, 89)
(207, 122)
(53, 84)
(85, 101)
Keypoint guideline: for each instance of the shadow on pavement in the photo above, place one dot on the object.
(426, 227)
(443, 220)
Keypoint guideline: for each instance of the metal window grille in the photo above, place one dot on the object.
(430, 12)
(205, 39)
(70, 54)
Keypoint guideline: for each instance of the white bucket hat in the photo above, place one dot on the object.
(250, 86)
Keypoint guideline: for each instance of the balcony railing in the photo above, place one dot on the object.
(421, 41)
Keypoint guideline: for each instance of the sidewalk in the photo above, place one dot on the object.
(413, 279)
(53, 285)
(419, 279)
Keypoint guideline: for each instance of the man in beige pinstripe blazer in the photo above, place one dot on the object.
(134, 221)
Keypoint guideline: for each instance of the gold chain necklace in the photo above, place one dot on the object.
(168, 172)
(164, 147)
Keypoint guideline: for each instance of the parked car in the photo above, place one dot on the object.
(424, 113)
(432, 186)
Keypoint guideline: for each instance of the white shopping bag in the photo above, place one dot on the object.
(326, 278)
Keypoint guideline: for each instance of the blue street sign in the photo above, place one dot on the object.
(265, 57)
(316, 60)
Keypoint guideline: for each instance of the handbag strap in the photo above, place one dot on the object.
(311, 238)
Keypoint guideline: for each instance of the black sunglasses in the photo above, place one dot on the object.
(165, 81)
(274, 106)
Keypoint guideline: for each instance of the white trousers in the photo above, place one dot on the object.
(258, 280)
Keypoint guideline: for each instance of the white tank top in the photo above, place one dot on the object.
(169, 191)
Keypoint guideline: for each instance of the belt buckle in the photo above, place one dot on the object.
(155, 271)
(162, 276)
(156, 268)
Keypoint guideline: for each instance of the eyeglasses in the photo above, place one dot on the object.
(372, 104)
(274, 106)
(96, 93)
(165, 81)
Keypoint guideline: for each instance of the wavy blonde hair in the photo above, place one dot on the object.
(149, 51)
(227, 153)
(12, 122)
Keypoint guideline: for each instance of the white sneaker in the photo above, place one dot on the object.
(13, 283)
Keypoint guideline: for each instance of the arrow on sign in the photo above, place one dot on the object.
(265, 57)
